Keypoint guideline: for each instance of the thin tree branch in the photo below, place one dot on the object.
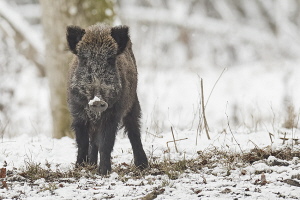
(33, 48)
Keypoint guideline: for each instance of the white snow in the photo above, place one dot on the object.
(14, 17)
(73, 10)
(245, 110)
(61, 154)
(91, 102)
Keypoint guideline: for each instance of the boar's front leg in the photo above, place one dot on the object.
(106, 140)
(93, 153)
(82, 139)
(132, 127)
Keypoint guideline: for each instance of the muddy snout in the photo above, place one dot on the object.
(98, 105)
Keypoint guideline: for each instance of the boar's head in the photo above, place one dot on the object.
(95, 80)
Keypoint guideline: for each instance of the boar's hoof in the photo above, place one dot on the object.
(104, 170)
(142, 164)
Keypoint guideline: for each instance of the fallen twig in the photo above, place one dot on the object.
(174, 143)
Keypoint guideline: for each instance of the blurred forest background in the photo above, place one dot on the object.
(195, 36)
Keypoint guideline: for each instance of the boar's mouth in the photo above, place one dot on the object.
(97, 105)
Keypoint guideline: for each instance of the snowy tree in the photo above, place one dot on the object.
(196, 35)
(211, 33)
(56, 15)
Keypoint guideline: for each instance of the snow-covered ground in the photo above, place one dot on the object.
(249, 106)
(217, 181)
(252, 98)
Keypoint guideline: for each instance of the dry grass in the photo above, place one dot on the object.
(210, 158)
(34, 171)
(165, 170)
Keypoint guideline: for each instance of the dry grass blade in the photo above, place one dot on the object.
(228, 125)
(203, 107)
(3, 129)
(203, 111)
(271, 135)
(215, 86)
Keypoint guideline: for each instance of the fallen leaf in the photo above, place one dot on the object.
(4, 184)
(226, 191)
(243, 172)
(204, 180)
(2, 172)
(263, 180)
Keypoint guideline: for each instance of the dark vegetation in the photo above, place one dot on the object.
(173, 169)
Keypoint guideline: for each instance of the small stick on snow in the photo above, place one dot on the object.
(284, 138)
(270, 135)
(158, 136)
(204, 179)
(174, 139)
(174, 142)
(263, 180)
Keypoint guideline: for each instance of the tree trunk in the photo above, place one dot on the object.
(56, 16)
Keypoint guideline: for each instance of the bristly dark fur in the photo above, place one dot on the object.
(103, 66)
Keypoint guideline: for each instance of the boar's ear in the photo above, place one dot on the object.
(74, 35)
(120, 34)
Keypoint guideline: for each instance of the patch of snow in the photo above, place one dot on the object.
(91, 102)
(246, 110)
(220, 182)
(73, 10)
(34, 39)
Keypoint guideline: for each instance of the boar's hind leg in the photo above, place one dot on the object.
(132, 127)
(82, 139)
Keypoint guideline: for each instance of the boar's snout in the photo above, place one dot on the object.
(98, 105)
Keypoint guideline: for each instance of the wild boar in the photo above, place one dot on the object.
(102, 94)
